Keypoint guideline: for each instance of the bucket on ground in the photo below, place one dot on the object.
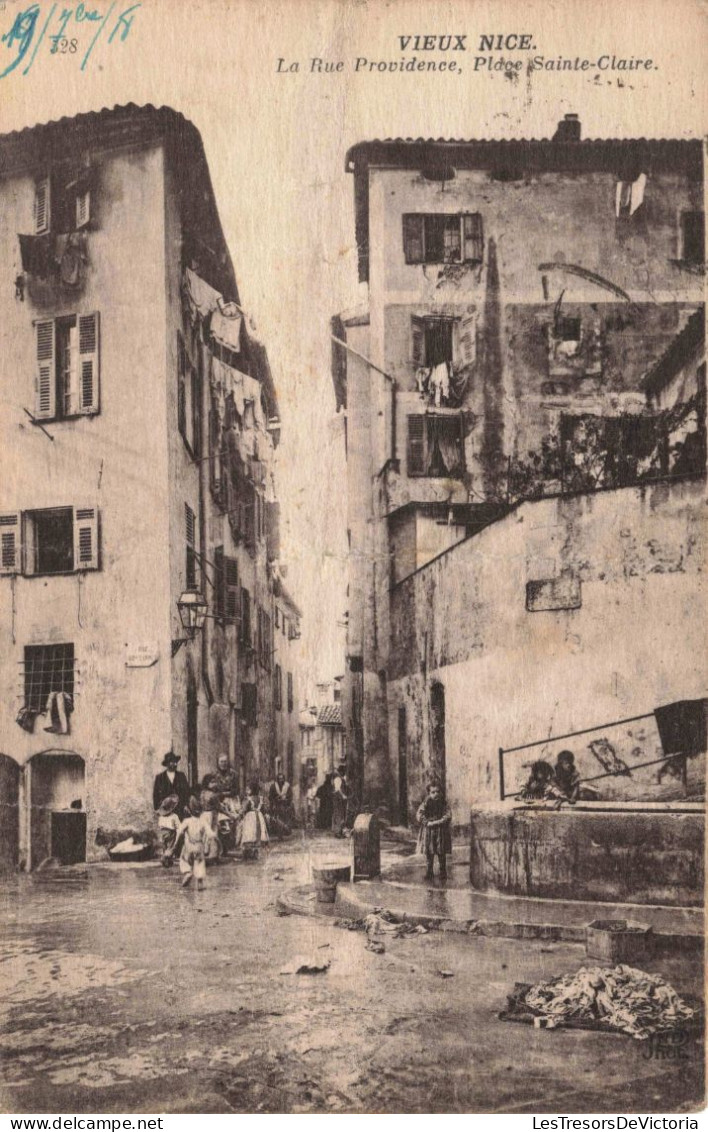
(618, 941)
(326, 877)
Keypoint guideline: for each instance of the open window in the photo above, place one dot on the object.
(435, 446)
(62, 200)
(68, 366)
(437, 339)
(443, 237)
(55, 540)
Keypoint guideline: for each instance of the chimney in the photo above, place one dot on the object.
(568, 129)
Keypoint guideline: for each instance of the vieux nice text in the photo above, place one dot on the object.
(511, 52)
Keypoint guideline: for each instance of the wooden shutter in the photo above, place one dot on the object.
(231, 593)
(473, 237)
(416, 445)
(219, 582)
(10, 543)
(89, 354)
(465, 342)
(85, 538)
(418, 341)
(413, 237)
(45, 379)
(245, 617)
(83, 208)
(42, 206)
(181, 387)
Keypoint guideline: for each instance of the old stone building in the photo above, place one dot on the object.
(525, 503)
(138, 587)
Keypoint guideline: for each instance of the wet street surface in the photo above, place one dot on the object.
(124, 993)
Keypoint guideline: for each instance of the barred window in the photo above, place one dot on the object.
(48, 668)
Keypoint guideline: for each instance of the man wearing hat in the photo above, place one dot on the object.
(171, 781)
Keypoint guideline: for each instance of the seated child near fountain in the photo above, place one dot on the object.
(168, 825)
(435, 838)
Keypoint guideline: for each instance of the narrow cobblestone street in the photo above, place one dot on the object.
(124, 993)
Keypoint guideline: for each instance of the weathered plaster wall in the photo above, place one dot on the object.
(511, 676)
(649, 858)
(540, 218)
(116, 460)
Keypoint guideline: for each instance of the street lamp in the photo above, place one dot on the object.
(192, 609)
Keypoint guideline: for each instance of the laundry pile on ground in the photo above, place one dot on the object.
(623, 998)
(381, 921)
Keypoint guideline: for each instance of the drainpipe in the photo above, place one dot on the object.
(203, 466)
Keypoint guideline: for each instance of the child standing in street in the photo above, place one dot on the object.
(168, 825)
(435, 838)
(192, 835)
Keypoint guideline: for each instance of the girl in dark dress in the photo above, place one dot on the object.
(435, 838)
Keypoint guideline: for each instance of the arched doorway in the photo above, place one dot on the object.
(57, 799)
(10, 818)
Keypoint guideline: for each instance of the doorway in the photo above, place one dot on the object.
(57, 808)
(437, 733)
(402, 767)
(10, 825)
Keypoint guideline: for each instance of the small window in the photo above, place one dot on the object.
(48, 668)
(443, 237)
(567, 329)
(67, 375)
(191, 557)
(693, 237)
(291, 693)
(435, 446)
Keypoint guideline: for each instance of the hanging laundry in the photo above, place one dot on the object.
(25, 718)
(637, 193)
(202, 298)
(38, 256)
(226, 329)
(59, 707)
(440, 383)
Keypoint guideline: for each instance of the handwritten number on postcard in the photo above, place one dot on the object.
(54, 24)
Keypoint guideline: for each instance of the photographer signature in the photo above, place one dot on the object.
(24, 39)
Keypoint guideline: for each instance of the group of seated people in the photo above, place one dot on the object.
(558, 784)
(229, 821)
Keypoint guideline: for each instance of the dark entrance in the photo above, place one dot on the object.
(402, 767)
(10, 826)
(437, 732)
(69, 837)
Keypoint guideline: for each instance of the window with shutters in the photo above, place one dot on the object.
(67, 360)
(62, 202)
(435, 445)
(443, 237)
(48, 668)
(278, 688)
(693, 237)
(291, 694)
(190, 548)
(56, 540)
(437, 340)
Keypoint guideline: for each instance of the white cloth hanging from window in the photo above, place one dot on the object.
(226, 328)
(203, 299)
(439, 383)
